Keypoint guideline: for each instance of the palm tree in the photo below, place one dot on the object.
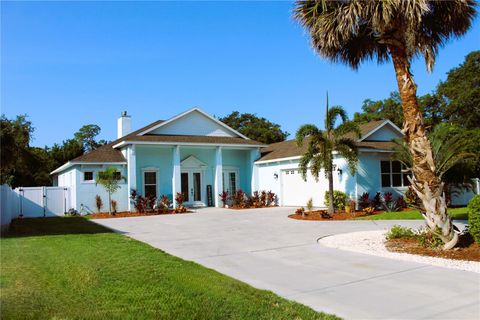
(322, 143)
(353, 31)
(109, 179)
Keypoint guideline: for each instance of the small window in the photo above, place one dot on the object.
(150, 183)
(88, 176)
(394, 174)
(117, 175)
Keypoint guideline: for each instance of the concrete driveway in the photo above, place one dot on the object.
(267, 250)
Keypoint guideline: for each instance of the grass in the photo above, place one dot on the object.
(456, 213)
(71, 268)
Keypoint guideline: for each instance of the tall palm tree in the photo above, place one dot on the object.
(352, 31)
(322, 143)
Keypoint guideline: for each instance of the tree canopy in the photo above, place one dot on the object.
(455, 100)
(254, 127)
(24, 165)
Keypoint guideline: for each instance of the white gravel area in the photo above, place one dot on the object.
(373, 242)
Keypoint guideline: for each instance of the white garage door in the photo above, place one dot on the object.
(296, 191)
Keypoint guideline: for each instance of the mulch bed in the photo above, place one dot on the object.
(322, 215)
(466, 249)
(126, 214)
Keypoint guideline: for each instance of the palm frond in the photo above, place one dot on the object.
(347, 148)
(332, 114)
(348, 127)
(352, 31)
(307, 130)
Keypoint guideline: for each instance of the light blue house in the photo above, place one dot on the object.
(199, 156)
(192, 153)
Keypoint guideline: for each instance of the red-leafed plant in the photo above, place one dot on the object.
(98, 202)
(114, 206)
(255, 200)
(163, 204)
(364, 200)
(238, 199)
(224, 198)
(180, 199)
(263, 198)
(271, 198)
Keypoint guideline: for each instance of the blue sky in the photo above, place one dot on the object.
(70, 64)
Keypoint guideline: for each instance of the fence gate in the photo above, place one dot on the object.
(43, 201)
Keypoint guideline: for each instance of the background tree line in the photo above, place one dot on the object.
(455, 101)
(25, 165)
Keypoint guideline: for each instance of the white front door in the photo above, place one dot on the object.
(192, 187)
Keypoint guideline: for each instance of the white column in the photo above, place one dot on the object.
(176, 178)
(218, 177)
(131, 173)
(254, 156)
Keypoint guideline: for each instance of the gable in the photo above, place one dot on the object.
(385, 133)
(194, 123)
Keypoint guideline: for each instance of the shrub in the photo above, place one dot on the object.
(300, 211)
(98, 202)
(474, 218)
(263, 198)
(255, 200)
(411, 198)
(427, 238)
(377, 201)
(339, 199)
(164, 203)
(400, 232)
(224, 198)
(271, 198)
(180, 199)
(238, 199)
(139, 202)
(388, 203)
(401, 203)
(114, 206)
(369, 210)
(364, 200)
(72, 212)
(310, 205)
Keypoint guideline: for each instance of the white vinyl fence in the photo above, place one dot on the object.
(33, 202)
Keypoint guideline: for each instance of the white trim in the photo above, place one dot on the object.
(188, 112)
(73, 163)
(381, 126)
(278, 160)
(88, 181)
(237, 146)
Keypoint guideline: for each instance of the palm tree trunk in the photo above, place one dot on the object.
(331, 209)
(109, 203)
(425, 182)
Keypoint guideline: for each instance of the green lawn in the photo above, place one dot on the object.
(71, 268)
(456, 213)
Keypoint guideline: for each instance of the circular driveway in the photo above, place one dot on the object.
(267, 250)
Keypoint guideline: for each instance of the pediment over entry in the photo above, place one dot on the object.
(193, 162)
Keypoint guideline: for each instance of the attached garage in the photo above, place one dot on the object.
(296, 192)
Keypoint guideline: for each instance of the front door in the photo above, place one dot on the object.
(230, 181)
(192, 188)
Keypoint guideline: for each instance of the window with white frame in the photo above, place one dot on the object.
(88, 176)
(394, 174)
(150, 183)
